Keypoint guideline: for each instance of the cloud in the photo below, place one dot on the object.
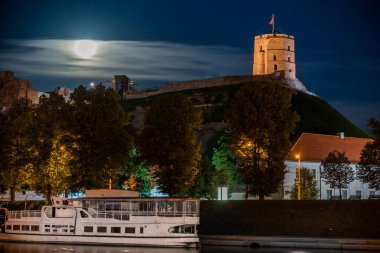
(140, 60)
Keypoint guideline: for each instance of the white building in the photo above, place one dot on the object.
(313, 148)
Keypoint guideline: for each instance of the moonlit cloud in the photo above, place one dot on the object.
(141, 61)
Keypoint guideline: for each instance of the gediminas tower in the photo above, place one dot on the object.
(274, 52)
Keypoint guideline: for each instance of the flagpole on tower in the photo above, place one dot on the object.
(271, 22)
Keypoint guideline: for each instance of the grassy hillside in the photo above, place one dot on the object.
(317, 116)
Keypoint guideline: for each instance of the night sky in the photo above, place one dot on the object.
(155, 42)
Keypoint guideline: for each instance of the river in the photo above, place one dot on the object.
(7, 247)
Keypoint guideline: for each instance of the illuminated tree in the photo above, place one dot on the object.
(369, 164)
(262, 120)
(135, 175)
(17, 144)
(337, 171)
(169, 141)
(309, 188)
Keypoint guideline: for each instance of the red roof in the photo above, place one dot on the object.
(315, 147)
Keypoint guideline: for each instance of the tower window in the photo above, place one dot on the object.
(288, 48)
(288, 58)
(274, 57)
(261, 48)
(275, 67)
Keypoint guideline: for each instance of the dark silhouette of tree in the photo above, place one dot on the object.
(169, 141)
(262, 120)
(309, 188)
(100, 144)
(337, 171)
(369, 164)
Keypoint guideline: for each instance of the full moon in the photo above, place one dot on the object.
(85, 48)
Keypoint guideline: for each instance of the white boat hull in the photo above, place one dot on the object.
(190, 242)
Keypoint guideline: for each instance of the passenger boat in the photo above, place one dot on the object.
(106, 218)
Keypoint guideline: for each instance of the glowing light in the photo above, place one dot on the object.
(85, 48)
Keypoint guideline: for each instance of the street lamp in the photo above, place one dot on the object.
(298, 156)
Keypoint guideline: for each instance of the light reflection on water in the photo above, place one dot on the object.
(7, 247)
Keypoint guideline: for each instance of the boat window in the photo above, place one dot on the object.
(16, 227)
(47, 230)
(83, 214)
(129, 230)
(9, 227)
(141, 230)
(25, 227)
(88, 229)
(115, 230)
(102, 230)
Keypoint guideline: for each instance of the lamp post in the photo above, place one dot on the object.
(298, 156)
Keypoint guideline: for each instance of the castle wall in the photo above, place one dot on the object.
(13, 88)
(273, 51)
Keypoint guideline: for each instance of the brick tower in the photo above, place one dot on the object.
(273, 52)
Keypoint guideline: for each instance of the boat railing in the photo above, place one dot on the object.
(24, 214)
(125, 215)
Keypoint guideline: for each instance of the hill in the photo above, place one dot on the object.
(316, 115)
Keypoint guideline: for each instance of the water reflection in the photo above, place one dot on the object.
(8, 247)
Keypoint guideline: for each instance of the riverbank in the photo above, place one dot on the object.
(359, 244)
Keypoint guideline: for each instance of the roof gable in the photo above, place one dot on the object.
(315, 147)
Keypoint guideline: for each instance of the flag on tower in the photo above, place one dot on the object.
(271, 22)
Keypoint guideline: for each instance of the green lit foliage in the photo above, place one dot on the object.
(135, 175)
(262, 121)
(17, 144)
(369, 164)
(309, 188)
(169, 141)
(203, 186)
(337, 171)
(100, 144)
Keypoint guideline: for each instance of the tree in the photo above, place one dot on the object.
(100, 144)
(309, 188)
(17, 144)
(337, 171)
(262, 120)
(369, 164)
(50, 165)
(135, 175)
(169, 141)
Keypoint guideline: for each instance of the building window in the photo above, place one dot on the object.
(344, 194)
(359, 193)
(329, 194)
(290, 70)
(275, 67)
(115, 230)
(141, 230)
(261, 48)
(102, 230)
(288, 58)
(288, 48)
(129, 230)
(274, 58)
(313, 171)
(88, 229)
